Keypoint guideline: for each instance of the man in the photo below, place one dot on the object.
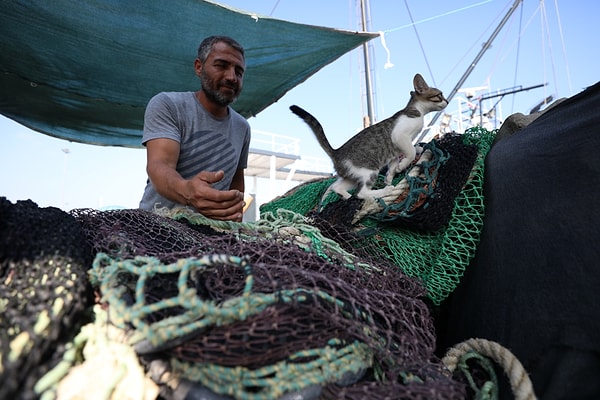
(196, 144)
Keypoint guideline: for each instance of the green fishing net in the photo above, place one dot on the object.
(432, 231)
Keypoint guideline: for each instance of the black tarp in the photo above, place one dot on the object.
(535, 281)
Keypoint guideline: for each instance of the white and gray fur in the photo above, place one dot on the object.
(359, 160)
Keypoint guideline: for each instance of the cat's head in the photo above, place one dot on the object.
(431, 98)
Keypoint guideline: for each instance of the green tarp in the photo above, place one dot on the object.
(84, 70)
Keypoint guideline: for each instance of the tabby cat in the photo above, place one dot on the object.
(359, 161)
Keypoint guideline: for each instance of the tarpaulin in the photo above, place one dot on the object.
(85, 70)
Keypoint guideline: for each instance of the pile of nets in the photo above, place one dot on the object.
(260, 311)
(312, 301)
(44, 292)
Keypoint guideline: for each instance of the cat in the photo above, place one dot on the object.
(359, 160)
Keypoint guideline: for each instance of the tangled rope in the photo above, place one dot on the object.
(519, 380)
(99, 353)
(416, 175)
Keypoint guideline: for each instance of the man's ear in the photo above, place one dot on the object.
(198, 66)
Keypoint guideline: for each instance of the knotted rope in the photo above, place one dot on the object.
(514, 370)
(389, 194)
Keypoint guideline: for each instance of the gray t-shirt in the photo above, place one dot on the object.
(206, 143)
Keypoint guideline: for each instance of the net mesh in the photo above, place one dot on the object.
(255, 311)
(44, 291)
(312, 301)
(432, 239)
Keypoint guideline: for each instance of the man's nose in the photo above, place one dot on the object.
(231, 75)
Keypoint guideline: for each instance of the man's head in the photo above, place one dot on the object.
(220, 66)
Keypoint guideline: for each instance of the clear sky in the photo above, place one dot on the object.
(551, 42)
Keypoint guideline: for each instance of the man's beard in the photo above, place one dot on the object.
(211, 90)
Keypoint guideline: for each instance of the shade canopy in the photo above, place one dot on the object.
(85, 70)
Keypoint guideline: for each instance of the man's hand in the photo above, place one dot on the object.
(226, 205)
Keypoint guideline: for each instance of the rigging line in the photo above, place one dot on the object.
(512, 104)
(543, 39)
(437, 16)
(476, 42)
(420, 43)
(464, 76)
(497, 57)
(521, 32)
(273, 9)
(562, 40)
(547, 32)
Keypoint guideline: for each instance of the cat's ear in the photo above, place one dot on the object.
(420, 84)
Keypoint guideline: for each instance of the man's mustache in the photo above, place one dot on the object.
(229, 85)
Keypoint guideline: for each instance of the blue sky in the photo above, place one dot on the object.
(549, 42)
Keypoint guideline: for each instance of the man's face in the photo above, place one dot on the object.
(222, 74)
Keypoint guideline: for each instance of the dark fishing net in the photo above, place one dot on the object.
(44, 292)
(435, 190)
(259, 310)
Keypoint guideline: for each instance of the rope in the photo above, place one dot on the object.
(285, 379)
(420, 43)
(390, 193)
(280, 224)
(517, 376)
(99, 353)
(562, 41)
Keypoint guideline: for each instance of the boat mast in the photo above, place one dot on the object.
(370, 119)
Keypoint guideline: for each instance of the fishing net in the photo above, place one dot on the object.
(261, 310)
(328, 301)
(429, 228)
(44, 291)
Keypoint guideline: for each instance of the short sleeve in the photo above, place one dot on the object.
(160, 119)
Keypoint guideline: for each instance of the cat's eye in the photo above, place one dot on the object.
(437, 97)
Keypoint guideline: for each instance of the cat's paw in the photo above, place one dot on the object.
(389, 178)
(343, 193)
(376, 194)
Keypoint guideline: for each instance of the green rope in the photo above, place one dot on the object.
(328, 364)
(418, 186)
(489, 389)
(199, 314)
(281, 224)
(298, 371)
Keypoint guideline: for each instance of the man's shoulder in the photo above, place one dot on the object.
(174, 97)
(237, 116)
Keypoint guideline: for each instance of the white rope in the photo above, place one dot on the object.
(388, 63)
(517, 376)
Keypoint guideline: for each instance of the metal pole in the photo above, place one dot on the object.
(368, 83)
(462, 80)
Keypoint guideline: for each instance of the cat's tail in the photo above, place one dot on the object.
(316, 128)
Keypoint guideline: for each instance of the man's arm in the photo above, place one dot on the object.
(162, 156)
